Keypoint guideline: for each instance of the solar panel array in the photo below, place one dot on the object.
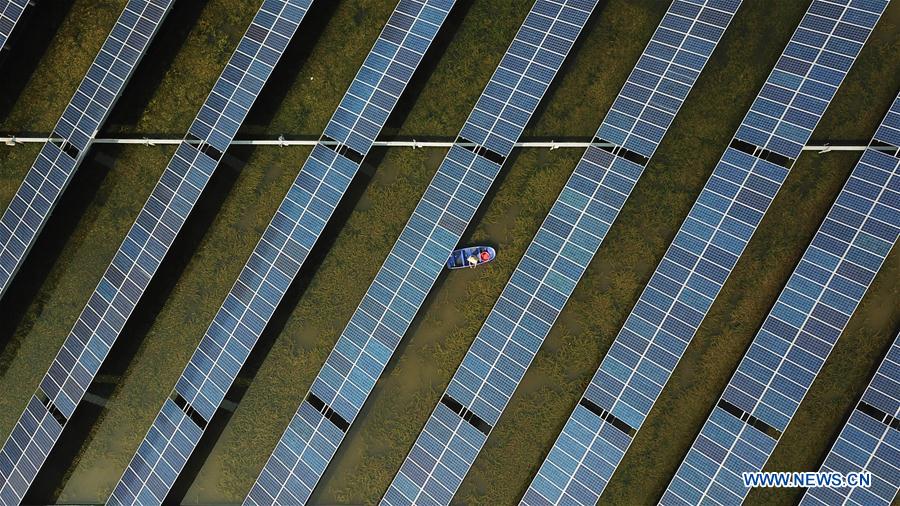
(696, 265)
(145, 245)
(798, 334)
(560, 252)
(419, 255)
(33, 202)
(870, 441)
(10, 12)
(57, 161)
(284, 246)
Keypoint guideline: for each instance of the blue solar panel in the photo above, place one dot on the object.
(560, 252)
(419, 255)
(682, 289)
(10, 13)
(284, 247)
(152, 234)
(870, 441)
(797, 335)
(33, 202)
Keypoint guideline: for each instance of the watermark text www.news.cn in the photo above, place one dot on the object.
(806, 479)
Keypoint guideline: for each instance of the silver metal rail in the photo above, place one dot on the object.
(414, 144)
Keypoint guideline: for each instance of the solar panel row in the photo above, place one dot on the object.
(419, 255)
(10, 13)
(798, 334)
(33, 202)
(147, 242)
(283, 248)
(560, 252)
(695, 267)
(45, 181)
(869, 442)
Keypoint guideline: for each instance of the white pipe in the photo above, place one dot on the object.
(414, 144)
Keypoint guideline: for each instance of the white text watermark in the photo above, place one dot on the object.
(807, 479)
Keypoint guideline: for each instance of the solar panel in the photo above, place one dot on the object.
(419, 255)
(10, 13)
(283, 248)
(560, 252)
(798, 334)
(693, 270)
(111, 69)
(868, 442)
(145, 245)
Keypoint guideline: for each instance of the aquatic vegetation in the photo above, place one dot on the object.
(251, 183)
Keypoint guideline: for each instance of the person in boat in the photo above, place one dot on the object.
(473, 260)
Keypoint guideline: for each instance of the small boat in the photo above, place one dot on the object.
(470, 257)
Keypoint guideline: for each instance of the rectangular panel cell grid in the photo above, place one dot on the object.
(285, 244)
(691, 273)
(33, 202)
(797, 336)
(150, 237)
(419, 255)
(870, 441)
(560, 252)
(10, 13)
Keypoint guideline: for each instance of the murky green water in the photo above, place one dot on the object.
(240, 203)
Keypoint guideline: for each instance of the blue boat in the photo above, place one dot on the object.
(470, 257)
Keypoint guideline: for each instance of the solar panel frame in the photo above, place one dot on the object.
(420, 253)
(284, 245)
(681, 290)
(868, 442)
(559, 254)
(149, 238)
(10, 14)
(799, 333)
(34, 200)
